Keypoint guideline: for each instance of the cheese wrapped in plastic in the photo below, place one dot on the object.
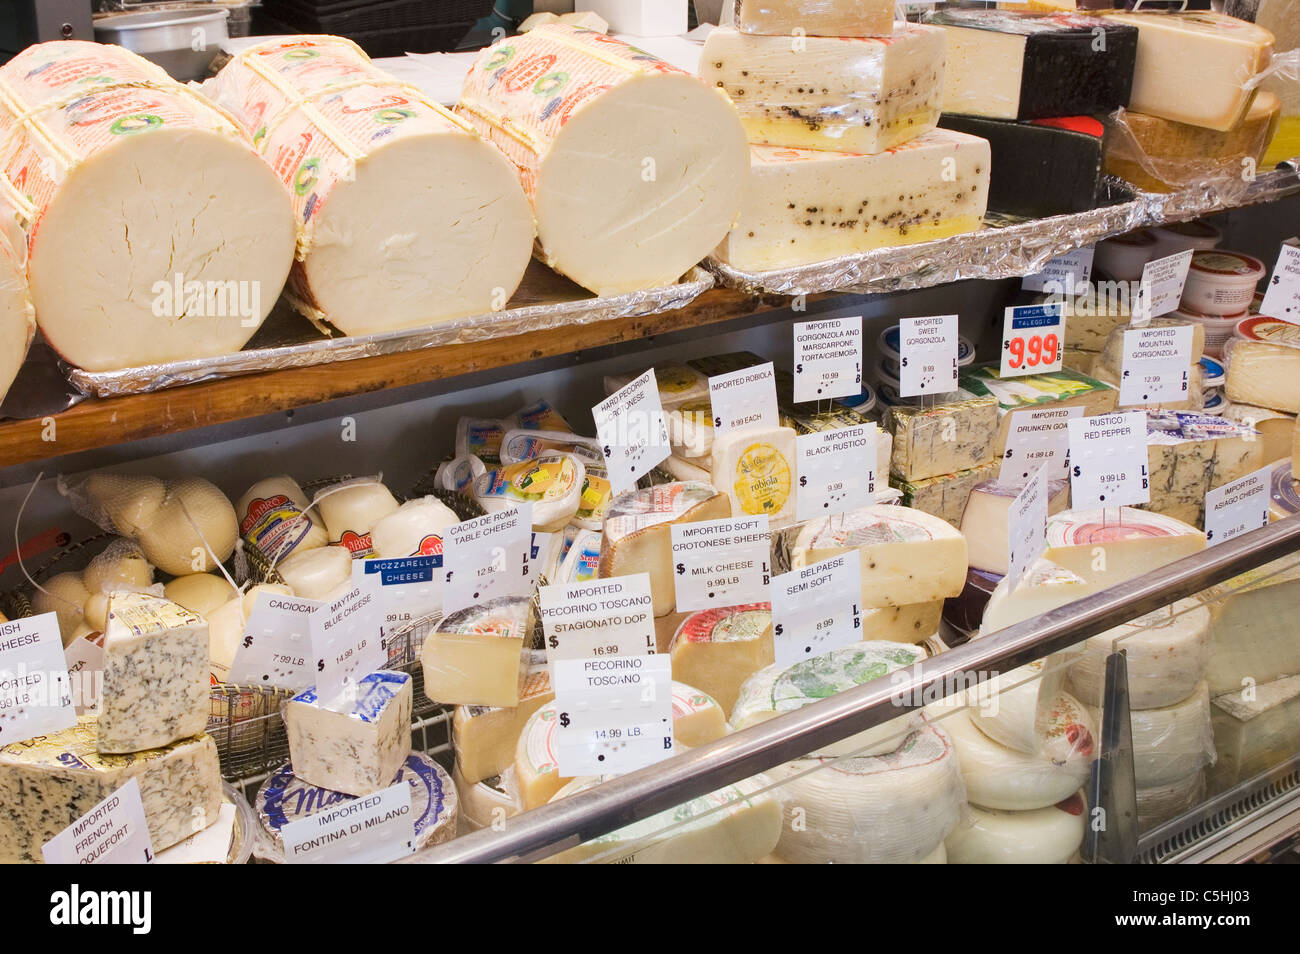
(17, 316)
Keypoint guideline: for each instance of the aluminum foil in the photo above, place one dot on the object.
(288, 340)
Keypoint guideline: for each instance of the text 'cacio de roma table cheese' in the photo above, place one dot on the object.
(405, 217)
(154, 233)
(634, 168)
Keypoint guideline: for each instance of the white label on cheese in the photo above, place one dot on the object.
(1108, 460)
(85, 658)
(1027, 526)
(598, 618)
(1282, 295)
(1157, 365)
(277, 646)
(407, 588)
(744, 398)
(113, 832)
(837, 471)
(817, 608)
(211, 846)
(361, 831)
(613, 715)
(928, 347)
(721, 562)
(346, 642)
(1237, 507)
(35, 691)
(488, 557)
(1033, 340)
(631, 430)
(1161, 287)
(827, 358)
(1064, 275)
(1038, 436)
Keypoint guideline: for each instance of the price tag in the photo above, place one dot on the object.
(85, 658)
(1027, 526)
(614, 715)
(837, 470)
(817, 608)
(743, 398)
(371, 830)
(928, 349)
(1161, 287)
(1108, 460)
(211, 846)
(1157, 365)
(1064, 275)
(631, 430)
(407, 588)
(35, 692)
(346, 641)
(1282, 294)
(488, 558)
(1237, 507)
(1033, 340)
(113, 832)
(721, 562)
(827, 358)
(598, 618)
(277, 646)
(1036, 437)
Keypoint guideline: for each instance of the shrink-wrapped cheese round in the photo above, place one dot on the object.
(552, 483)
(1041, 836)
(178, 237)
(413, 529)
(271, 518)
(194, 524)
(17, 316)
(1172, 742)
(634, 168)
(999, 777)
(351, 510)
(199, 592)
(1032, 715)
(406, 216)
(316, 573)
(64, 595)
(1157, 804)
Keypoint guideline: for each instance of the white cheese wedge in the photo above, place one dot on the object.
(17, 315)
(804, 205)
(1044, 588)
(756, 467)
(1104, 549)
(816, 17)
(637, 538)
(49, 782)
(485, 737)
(341, 133)
(200, 592)
(271, 517)
(906, 556)
(552, 483)
(1258, 731)
(474, 657)
(1265, 375)
(985, 521)
(634, 168)
(413, 529)
(350, 510)
(1172, 742)
(315, 574)
(118, 165)
(156, 674)
(354, 742)
(1041, 836)
(912, 623)
(861, 94)
(718, 649)
(683, 469)
(65, 595)
(690, 431)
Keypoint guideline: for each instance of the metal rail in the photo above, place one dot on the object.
(564, 824)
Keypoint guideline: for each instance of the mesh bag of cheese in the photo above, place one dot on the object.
(185, 235)
(405, 216)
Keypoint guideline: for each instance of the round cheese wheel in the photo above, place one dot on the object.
(1158, 803)
(271, 518)
(64, 595)
(121, 563)
(351, 510)
(1041, 836)
(199, 592)
(413, 529)
(127, 501)
(315, 574)
(96, 612)
(193, 530)
(1022, 719)
(999, 777)
(891, 809)
(17, 316)
(489, 802)
(1172, 742)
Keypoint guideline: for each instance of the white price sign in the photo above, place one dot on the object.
(928, 349)
(631, 430)
(371, 830)
(1237, 507)
(1161, 287)
(1157, 365)
(346, 640)
(276, 649)
(1027, 526)
(1108, 460)
(407, 587)
(743, 398)
(487, 558)
(721, 562)
(1282, 294)
(35, 692)
(613, 715)
(827, 358)
(817, 608)
(1038, 436)
(85, 656)
(113, 832)
(1066, 274)
(1033, 339)
(837, 471)
(599, 618)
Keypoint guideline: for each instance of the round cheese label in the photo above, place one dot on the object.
(1283, 490)
(1227, 263)
(1269, 330)
(1082, 528)
(727, 624)
(762, 479)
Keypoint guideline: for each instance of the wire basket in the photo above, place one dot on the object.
(17, 602)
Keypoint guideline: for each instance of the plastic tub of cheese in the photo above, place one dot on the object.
(1180, 236)
(890, 357)
(1218, 328)
(1221, 282)
(1122, 257)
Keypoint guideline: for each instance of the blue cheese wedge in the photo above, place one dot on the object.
(356, 741)
(155, 674)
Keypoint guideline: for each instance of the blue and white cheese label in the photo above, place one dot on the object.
(406, 588)
(36, 695)
(613, 715)
(371, 830)
(817, 608)
(114, 832)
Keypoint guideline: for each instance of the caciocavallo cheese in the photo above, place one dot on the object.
(815, 17)
(17, 316)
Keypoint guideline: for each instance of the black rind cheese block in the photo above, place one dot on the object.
(1040, 168)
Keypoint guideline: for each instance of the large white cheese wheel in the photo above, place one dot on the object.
(185, 234)
(119, 563)
(1172, 742)
(1041, 836)
(271, 518)
(199, 592)
(193, 529)
(406, 216)
(1034, 716)
(64, 595)
(1254, 635)
(1156, 804)
(985, 521)
(316, 573)
(351, 510)
(999, 777)
(17, 316)
(892, 809)
(1168, 653)
(413, 529)
(634, 168)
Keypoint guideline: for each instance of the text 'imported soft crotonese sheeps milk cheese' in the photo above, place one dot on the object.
(405, 216)
(186, 234)
(634, 168)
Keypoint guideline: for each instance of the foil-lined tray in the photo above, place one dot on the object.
(286, 339)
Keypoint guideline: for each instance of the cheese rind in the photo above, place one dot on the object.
(485, 737)
(1048, 835)
(474, 656)
(1101, 549)
(718, 649)
(912, 623)
(1172, 742)
(815, 17)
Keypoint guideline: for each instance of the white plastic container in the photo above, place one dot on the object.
(1180, 236)
(1218, 328)
(888, 345)
(1122, 257)
(1221, 282)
